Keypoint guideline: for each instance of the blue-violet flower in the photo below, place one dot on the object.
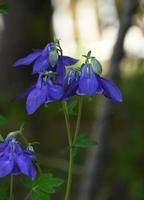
(91, 83)
(15, 159)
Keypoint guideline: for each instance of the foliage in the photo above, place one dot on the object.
(72, 104)
(84, 142)
(43, 186)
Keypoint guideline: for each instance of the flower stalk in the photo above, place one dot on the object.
(71, 142)
(70, 167)
(78, 119)
(11, 188)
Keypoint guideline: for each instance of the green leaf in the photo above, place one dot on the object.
(3, 120)
(84, 142)
(38, 195)
(4, 8)
(71, 107)
(43, 186)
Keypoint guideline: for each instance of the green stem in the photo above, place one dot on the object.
(24, 138)
(39, 169)
(70, 168)
(11, 188)
(78, 119)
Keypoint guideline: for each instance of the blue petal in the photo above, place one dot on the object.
(25, 93)
(56, 91)
(69, 61)
(111, 90)
(16, 171)
(61, 71)
(41, 64)
(35, 99)
(88, 84)
(48, 48)
(3, 145)
(6, 166)
(26, 166)
(71, 76)
(30, 153)
(71, 89)
(28, 59)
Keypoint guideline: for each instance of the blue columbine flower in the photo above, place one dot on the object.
(88, 84)
(50, 58)
(50, 64)
(14, 159)
(91, 83)
(44, 91)
(48, 89)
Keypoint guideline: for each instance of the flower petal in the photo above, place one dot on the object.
(88, 84)
(3, 145)
(28, 59)
(61, 71)
(25, 93)
(71, 89)
(111, 90)
(50, 46)
(69, 61)
(41, 64)
(6, 166)
(26, 166)
(35, 99)
(16, 171)
(56, 91)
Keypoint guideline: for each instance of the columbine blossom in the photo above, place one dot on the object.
(49, 58)
(91, 83)
(48, 89)
(45, 91)
(15, 159)
(56, 82)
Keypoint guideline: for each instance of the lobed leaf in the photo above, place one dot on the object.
(84, 142)
(43, 186)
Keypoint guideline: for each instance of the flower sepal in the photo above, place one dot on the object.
(53, 57)
(96, 66)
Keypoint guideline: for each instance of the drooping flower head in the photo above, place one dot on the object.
(50, 64)
(58, 82)
(15, 159)
(91, 82)
(50, 58)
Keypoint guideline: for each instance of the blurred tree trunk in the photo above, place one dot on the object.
(28, 25)
(96, 157)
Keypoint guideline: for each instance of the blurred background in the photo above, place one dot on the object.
(114, 31)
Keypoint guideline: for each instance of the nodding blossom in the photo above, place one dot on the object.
(59, 80)
(91, 83)
(15, 159)
(50, 58)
